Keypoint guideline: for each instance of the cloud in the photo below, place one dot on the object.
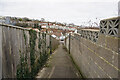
(70, 11)
(59, 0)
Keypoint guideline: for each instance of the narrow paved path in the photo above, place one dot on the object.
(59, 65)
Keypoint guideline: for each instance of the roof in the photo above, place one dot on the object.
(90, 29)
(111, 18)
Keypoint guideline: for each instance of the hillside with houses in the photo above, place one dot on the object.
(56, 29)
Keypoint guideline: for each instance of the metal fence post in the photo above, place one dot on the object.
(50, 45)
(69, 42)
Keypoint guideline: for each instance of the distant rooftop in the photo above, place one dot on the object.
(91, 29)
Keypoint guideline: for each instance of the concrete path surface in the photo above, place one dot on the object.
(59, 65)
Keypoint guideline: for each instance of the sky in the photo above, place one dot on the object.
(79, 12)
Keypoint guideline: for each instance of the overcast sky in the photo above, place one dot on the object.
(69, 11)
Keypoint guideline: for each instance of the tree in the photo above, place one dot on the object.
(42, 20)
(26, 19)
(20, 19)
(36, 25)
